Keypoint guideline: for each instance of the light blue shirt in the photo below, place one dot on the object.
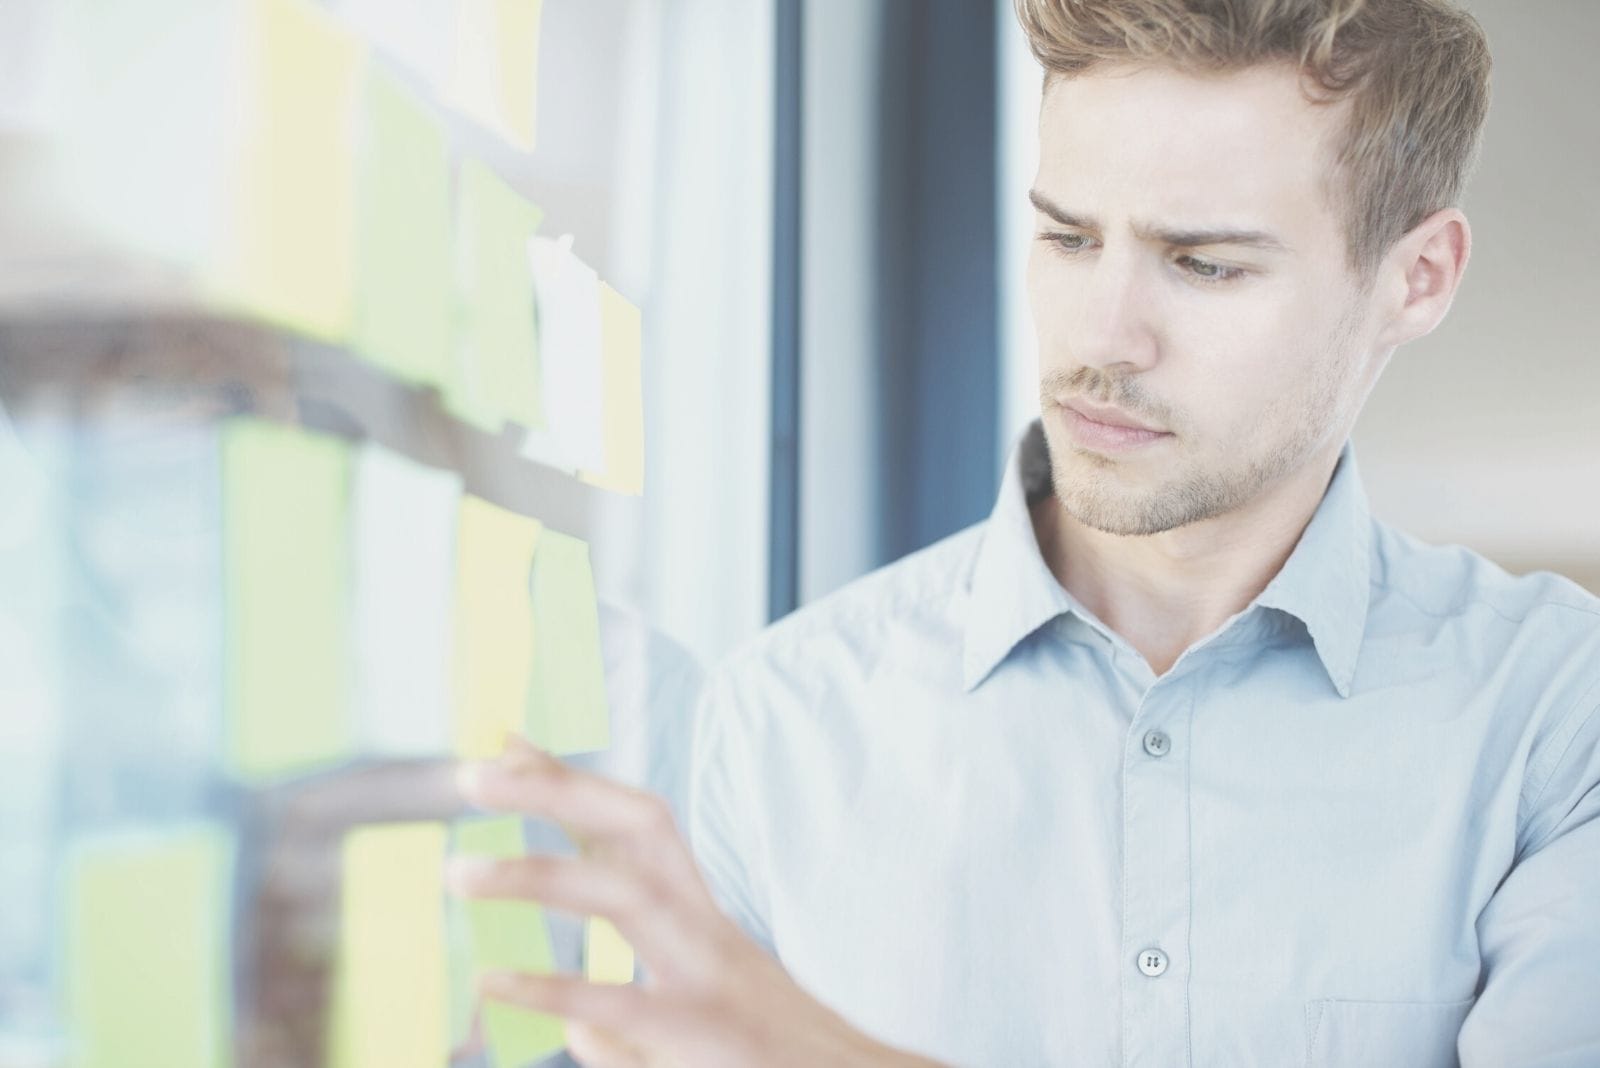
(1358, 824)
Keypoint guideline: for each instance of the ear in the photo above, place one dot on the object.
(1420, 275)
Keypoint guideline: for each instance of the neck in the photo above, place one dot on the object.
(1164, 592)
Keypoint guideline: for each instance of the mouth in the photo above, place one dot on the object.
(1106, 416)
(1096, 436)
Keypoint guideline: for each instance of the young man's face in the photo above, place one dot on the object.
(1253, 354)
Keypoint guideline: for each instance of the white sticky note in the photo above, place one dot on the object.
(403, 524)
(571, 360)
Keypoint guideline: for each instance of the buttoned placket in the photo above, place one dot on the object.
(1156, 875)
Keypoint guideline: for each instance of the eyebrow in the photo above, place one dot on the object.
(1192, 238)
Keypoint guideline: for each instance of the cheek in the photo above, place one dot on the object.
(1237, 364)
(1045, 297)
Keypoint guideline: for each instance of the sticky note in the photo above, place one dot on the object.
(508, 936)
(566, 695)
(496, 71)
(405, 287)
(148, 946)
(497, 357)
(463, 993)
(403, 532)
(493, 625)
(288, 244)
(607, 957)
(393, 969)
(624, 397)
(571, 360)
(286, 575)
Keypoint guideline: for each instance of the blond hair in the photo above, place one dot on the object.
(1416, 73)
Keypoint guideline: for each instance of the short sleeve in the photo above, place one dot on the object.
(723, 802)
(1539, 935)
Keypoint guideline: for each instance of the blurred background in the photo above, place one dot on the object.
(818, 208)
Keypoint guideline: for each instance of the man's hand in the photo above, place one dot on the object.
(714, 999)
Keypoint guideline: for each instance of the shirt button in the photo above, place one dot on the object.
(1156, 743)
(1152, 962)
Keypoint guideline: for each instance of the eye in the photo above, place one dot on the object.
(1207, 272)
(1066, 242)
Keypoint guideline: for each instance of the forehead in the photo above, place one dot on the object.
(1242, 148)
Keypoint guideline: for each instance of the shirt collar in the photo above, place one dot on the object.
(1012, 592)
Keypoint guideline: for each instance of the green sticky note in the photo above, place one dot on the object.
(567, 710)
(496, 376)
(405, 295)
(147, 950)
(393, 993)
(508, 936)
(285, 591)
(463, 998)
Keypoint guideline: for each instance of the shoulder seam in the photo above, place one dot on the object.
(1582, 712)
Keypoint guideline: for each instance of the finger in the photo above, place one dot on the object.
(595, 1047)
(573, 884)
(663, 928)
(629, 1013)
(531, 782)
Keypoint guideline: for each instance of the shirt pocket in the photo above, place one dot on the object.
(1379, 1034)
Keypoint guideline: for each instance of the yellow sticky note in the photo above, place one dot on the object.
(285, 597)
(518, 41)
(405, 291)
(508, 936)
(607, 957)
(393, 970)
(497, 358)
(147, 950)
(621, 331)
(494, 625)
(567, 710)
(496, 73)
(288, 238)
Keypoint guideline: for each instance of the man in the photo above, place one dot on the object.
(1180, 757)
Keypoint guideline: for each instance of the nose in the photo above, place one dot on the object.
(1114, 320)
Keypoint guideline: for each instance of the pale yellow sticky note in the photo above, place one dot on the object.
(147, 949)
(567, 711)
(494, 625)
(621, 333)
(496, 70)
(287, 247)
(607, 957)
(393, 969)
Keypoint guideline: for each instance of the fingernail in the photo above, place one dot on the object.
(499, 983)
(469, 776)
(517, 745)
(463, 875)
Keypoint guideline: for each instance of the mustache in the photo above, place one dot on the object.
(1100, 388)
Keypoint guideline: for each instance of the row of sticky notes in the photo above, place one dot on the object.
(370, 606)
(407, 956)
(148, 956)
(520, 330)
(303, 182)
